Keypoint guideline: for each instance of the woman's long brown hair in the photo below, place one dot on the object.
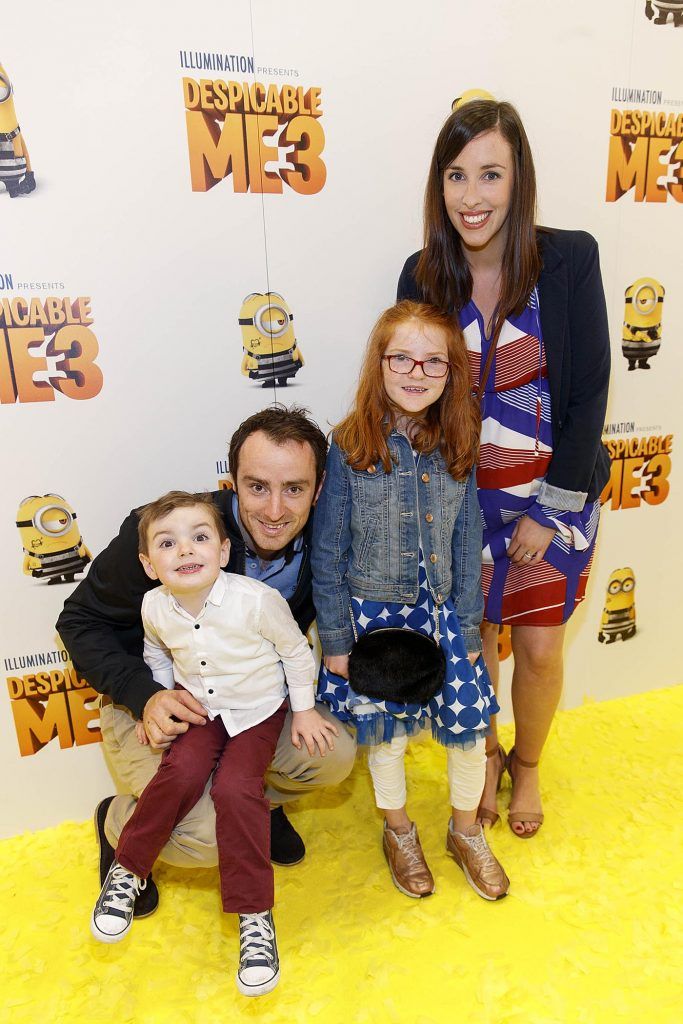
(452, 423)
(442, 272)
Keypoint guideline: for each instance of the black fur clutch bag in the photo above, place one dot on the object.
(397, 664)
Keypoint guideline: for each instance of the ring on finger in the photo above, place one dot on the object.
(527, 556)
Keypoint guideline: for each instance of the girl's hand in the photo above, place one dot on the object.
(313, 729)
(338, 664)
(529, 538)
(141, 734)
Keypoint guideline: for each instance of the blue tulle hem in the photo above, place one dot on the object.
(381, 727)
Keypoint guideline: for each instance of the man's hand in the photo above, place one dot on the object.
(141, 734)
(162, 708)
(313, 729)
(529, 542)
(338, 664)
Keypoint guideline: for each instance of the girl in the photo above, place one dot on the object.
(397, 543)
(531, 304)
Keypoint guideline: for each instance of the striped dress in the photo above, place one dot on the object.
(516, 450)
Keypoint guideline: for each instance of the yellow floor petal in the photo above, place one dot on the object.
(591, 932)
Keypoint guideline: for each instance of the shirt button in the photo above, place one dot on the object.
(425, 478)
(429, 517)
(433, 558)
(196, 625)
(202, 663)
(210, 691)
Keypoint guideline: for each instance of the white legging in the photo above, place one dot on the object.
(466, 774)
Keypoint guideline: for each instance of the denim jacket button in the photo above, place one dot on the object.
(429, 517)
(433, 558)
(425, 478)
(372, 469)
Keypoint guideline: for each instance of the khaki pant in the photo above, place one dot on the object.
(193, 840)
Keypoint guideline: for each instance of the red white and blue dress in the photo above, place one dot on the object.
(516, 450)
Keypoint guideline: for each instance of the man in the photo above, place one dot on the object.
(277, 462)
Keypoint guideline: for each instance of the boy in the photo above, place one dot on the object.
(226, 639)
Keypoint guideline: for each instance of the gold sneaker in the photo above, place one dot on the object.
(407, 862)
(480, 867)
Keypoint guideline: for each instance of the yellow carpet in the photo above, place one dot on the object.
(592, 930)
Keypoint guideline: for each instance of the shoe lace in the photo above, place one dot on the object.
(256, 937)
(408, 845)
(482, 849)
(122, 890)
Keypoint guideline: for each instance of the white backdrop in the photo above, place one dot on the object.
(99, 98)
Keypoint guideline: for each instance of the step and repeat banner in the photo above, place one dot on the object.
(204, 208)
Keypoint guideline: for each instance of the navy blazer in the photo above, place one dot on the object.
(577, 349)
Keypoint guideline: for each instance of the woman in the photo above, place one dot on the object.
(531, 304)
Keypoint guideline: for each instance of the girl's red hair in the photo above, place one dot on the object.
(452, 423)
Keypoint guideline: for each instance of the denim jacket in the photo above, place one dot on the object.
(367, 532)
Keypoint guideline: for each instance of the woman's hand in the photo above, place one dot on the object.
(314, 730)
(338, 664)
(529, 539)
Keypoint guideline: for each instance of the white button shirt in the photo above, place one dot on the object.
(235, 655)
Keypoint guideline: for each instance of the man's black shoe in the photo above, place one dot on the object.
(147, 901)
(106, 849)
(286, 845)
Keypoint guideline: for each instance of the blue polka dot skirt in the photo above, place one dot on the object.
(458, 715)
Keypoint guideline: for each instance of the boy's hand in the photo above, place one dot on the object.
(313, 729)
(141, 734)
(338, 664)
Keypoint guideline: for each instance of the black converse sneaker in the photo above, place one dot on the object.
(113, 913)
(259, 970)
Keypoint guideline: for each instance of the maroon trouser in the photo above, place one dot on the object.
(238, 764)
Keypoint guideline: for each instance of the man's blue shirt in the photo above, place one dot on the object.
(281, 573)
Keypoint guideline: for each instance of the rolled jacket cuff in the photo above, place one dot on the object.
(564, 501)
(338, 641)
(472, 638)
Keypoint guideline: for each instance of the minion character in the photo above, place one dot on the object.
(15, 166)
(270, 348)
(504, 642)
(471, 94)
(53, 546)
(619, 614)
(671, 7)
(642, 330)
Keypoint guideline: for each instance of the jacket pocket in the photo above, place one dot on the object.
(371, 489)
(368, 541)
